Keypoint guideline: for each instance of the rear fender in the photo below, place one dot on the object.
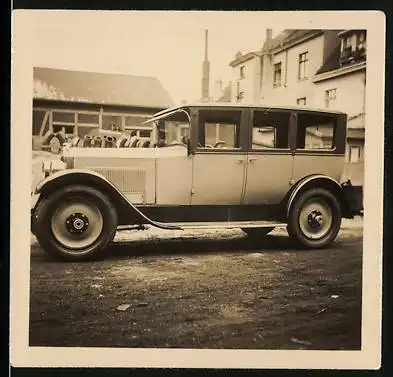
(318, 181)
(125, 209)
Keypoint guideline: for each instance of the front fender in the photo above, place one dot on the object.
(123, 206)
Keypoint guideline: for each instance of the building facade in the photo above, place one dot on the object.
(323, 69)
(79, 103)
(246, 77)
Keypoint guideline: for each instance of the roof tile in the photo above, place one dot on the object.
(99, 88)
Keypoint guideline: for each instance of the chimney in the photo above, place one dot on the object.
(206, 43)
(269, 33)
(205, 72)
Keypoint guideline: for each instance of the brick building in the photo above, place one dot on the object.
(78, 102)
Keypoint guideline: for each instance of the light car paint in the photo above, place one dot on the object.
(326, 164)
(268, 177)
(144, 175)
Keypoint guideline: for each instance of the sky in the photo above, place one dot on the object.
(166, 45)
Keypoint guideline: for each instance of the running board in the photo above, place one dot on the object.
(228, 224)
(210, 225)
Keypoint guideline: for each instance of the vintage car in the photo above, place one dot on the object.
(206, 166)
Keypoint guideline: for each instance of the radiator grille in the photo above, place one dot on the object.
(127, 180)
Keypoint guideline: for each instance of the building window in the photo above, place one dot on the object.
(40, 118)
(239, 93)
(353, 46)
(242, 72)
(330, 97)
(112, 122)
(88, 118)
(132, 120)
(301, 101)
(354, 153)
(277, 75)
(303, 66)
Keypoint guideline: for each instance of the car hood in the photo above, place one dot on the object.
(104, 153)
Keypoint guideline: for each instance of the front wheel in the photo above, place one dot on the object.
(75, 223)
(315, 218)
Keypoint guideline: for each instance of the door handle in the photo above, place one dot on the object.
(252, 160)
(240, 161)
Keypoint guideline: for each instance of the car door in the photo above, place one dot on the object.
(317, 149)
(269, 157)
(219, 157)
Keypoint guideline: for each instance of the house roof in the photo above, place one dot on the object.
(288, 37)
(99, 88)
(284, 39)
(332, 61)
(240, 58)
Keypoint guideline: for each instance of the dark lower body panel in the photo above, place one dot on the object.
(211, 213)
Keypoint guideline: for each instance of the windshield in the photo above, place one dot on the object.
(172, 129)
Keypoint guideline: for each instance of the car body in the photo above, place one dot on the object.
(206, 166)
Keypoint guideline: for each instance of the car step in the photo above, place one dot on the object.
(228, 224)
(212, 225)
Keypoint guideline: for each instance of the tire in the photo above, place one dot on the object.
(314, 219)
(75, 223)
(257, 232)
(55, 145)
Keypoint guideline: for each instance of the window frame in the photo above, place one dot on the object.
(303, 63)
(242, 72)
(335, 141)
(328, 99)
(196, 124)
(268, 150)
(351, 148)
(276, 83)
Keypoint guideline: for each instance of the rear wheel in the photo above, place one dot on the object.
(257, 232)
(315, 218)
(75, 223)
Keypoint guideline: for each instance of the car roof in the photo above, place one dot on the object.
(230, 105)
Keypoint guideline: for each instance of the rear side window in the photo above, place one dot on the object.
(270, 130)
(315, 131)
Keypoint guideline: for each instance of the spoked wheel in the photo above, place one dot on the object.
(315, 218)
(76, 223)
(257, 233)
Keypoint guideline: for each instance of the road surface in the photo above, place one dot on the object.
(210, 290)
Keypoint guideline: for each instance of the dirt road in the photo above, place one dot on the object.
(216, 290)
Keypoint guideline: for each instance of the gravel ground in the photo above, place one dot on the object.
(211, 289)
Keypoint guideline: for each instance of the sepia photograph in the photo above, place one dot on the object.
(199, 189)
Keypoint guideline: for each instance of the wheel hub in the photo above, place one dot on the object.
(315, 219)
(77, 223)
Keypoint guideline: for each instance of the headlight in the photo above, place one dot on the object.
(46, 168)
(57, 165)
(50, 167)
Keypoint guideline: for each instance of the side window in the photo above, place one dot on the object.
(270, 130)
(219, 129)
(38, 119)
(315, 131)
